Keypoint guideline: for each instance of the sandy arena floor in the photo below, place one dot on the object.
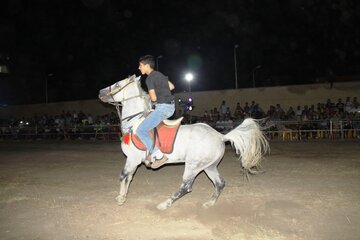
(66, 190)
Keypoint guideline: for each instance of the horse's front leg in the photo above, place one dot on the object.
(125, 179)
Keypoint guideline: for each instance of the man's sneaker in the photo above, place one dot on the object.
(159, 162)
(156, 155)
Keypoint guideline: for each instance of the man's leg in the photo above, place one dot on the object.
(149, 123)
(158, 158)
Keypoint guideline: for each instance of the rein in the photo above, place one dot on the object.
(133, 116)
(116, 90)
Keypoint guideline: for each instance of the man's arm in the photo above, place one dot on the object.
(152, 95)
(171, 85)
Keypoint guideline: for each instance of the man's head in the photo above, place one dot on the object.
(146, 64)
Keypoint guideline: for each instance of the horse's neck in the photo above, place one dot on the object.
(136, 104)
(133, 106)
(136, 124)
(133, 113)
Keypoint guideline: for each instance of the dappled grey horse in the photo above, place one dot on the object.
(198, 145)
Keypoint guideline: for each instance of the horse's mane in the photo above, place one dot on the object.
(147, 101)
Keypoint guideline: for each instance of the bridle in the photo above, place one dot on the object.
(117, 90)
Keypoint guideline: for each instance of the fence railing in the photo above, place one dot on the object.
(278, 130)
(293, 135)
(90, 132)
(324, 129)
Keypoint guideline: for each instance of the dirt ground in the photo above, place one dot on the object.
(66, 190)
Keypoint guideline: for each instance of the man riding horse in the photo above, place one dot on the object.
(197, 145)
(159, 89)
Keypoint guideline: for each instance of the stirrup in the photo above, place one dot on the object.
(159, 162)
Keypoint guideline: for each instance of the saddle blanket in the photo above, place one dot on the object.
(164, 141)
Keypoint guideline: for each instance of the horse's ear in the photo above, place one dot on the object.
(131, 77)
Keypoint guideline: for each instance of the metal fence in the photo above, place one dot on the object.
(279, 130)
(325, 129)
(86, 132)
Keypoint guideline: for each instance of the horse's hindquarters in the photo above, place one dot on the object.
(198, 143)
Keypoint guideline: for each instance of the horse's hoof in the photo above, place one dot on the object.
(209, 204)
(120, 200)
(164, 205)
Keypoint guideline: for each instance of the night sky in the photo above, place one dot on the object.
(81, 46)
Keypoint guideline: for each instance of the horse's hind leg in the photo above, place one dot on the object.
(186, 187)
(219, 183)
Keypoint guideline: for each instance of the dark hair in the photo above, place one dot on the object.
(147, 59)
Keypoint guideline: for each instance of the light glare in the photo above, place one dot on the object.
(189, 77)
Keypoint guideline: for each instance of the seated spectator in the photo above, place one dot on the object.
(290, 114)
(216, 115)
(90, 119)
(304, 117)
(223, 109)
(320, 108)
(211, 115)
(246, 108)
(355, 103)
(227, 113)
(225, 125)
(206, 117)
(335, 122)
(298, 113)
(75, 117)
(238, 112)
(329, 107)
(279, 111)
(340, 106)
(312, 113)
(258, 112)
(252, 108)
(348, 104)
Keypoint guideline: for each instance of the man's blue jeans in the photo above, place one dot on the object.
(162, 111)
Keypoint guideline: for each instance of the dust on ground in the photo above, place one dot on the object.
(66, 190)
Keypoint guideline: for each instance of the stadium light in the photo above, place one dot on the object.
(189, 77)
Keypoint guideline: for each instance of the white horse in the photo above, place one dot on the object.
(199, 146)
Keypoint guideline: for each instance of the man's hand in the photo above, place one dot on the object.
(152, 95)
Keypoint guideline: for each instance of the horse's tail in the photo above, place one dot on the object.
(249, 142)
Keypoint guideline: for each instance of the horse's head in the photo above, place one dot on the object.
(121, 91)
(134, 101)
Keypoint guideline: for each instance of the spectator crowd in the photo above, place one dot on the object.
(335, 115)
(67, 125)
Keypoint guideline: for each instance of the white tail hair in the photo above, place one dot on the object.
(249, 143)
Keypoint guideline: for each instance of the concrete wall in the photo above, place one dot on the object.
(285, 95)
(95, 107)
